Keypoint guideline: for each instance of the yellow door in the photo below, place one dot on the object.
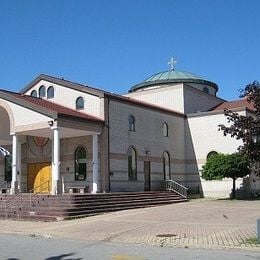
(39, 177)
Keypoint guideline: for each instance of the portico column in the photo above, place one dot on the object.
(55, 161)
(95, 163)
(19, 163)
(14, 165)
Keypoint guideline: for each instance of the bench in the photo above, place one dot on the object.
(78, 189)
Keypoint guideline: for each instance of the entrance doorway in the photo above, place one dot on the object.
(39, 177)
(147, 175)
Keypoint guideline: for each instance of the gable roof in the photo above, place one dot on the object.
(96, 92)
(65, 83)
(241, 103)
(45, 107)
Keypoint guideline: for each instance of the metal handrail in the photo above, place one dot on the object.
(3, 184)
(32, 194)
(19, 197)
(171, 185)
(12, 201)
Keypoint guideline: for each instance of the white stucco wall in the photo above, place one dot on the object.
(195, 100)
(5, 137)
(206, 137)
(202, 137)
(167, 96)
(67, 97)
(212, 90)
(23, 116)
(219, 189)
(185, 98)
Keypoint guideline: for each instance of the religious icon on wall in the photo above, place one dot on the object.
(40, 141)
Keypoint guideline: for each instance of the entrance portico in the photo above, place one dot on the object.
(25, 119)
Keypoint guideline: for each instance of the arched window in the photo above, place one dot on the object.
(34, 93)
(8, 168)
(80, 103)
(165, 130)
(132, 164)
(131, 123)
(80, 164)
(50, 92)
(211, 154)
(166, 166)
(206, 90)
(42, 91)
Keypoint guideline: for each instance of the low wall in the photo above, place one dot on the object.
(219, 189)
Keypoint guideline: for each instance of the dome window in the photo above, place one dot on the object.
(211, 154)
(50, 92)
(79, 103)
(131, 123)
(34, 93)
(165, 129)
(42, 91)
(206, 90)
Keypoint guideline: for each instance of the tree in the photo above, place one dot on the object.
(222, 166)
(246, 127)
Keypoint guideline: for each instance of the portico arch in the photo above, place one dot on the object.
(6, 114)
(9, 138)
(6, 141)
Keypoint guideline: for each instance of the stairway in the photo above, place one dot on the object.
(67, 206)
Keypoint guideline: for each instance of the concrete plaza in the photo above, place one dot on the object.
(199, 223)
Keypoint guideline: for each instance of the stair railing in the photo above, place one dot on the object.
(170, 185)
(39, 189)
(3, 184)
(16, 200)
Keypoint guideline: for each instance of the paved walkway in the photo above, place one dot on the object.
(199, 223)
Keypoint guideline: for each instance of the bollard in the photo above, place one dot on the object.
(258, 230)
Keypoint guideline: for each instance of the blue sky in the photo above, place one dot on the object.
(115, 44)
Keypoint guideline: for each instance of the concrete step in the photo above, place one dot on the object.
(50, 208)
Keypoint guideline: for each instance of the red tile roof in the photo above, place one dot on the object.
(59, 109)
(241, 103)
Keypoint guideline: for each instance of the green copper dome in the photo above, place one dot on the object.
(172, 76)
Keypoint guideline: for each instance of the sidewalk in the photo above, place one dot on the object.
(199, 223)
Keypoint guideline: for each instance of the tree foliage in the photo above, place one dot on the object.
(222, 166)
(244, 127)
(214, 168)
(232, 166)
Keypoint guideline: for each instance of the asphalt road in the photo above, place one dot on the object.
(31, 247)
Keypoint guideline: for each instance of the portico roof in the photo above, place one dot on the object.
(46, 107)
(36, 117)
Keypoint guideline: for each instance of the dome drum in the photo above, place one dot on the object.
(167, 77)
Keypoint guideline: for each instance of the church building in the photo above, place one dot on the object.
(59, 135)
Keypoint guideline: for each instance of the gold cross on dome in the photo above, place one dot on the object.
(172, 62)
